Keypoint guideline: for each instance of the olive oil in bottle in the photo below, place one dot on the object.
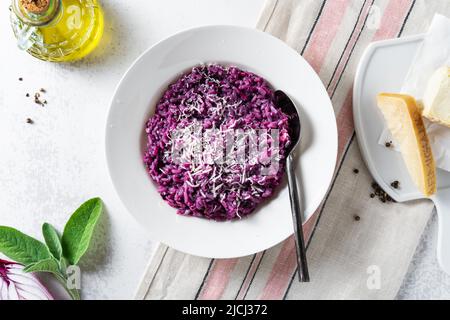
(57, 30)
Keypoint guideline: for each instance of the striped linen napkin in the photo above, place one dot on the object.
(349, 258)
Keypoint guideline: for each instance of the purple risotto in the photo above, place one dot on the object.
(216, 144)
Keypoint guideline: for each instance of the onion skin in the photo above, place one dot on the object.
(16, 284)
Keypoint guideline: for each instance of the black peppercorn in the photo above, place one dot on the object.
(395, 184)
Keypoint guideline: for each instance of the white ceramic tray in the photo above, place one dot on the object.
(383, 67)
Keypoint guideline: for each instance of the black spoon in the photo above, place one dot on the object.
(288, 107)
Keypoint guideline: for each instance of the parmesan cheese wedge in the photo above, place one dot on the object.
(436, 99)
(405, 123)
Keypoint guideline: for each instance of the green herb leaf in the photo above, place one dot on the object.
(63, 265)
(48, 265)
(52, 240)
(20, 247)
(79, 229)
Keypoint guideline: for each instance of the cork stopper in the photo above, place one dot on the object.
(35, 6)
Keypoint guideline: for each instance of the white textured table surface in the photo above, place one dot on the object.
(47, 169)
(424, 279)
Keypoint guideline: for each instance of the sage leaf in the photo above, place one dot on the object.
(79, 230)
(63, 265)
(20, 247)
(48, 265)
(52, 240)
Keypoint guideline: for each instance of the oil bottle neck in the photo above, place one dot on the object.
(36, 12)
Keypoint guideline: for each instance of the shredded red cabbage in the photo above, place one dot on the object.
(224, 98)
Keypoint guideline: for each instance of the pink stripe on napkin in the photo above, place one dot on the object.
(284, 267)
(392, 19)
(348, 49)
(218, 279)
(324, 33)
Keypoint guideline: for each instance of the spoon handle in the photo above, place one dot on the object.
(297, 217)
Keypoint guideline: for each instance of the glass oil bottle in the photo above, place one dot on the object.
(57, 30)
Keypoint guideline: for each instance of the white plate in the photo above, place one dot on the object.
(135, 99)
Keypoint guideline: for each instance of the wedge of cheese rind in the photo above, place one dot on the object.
(436, 98)
(404, 120)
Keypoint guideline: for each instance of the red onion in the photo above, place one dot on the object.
(15, 284)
